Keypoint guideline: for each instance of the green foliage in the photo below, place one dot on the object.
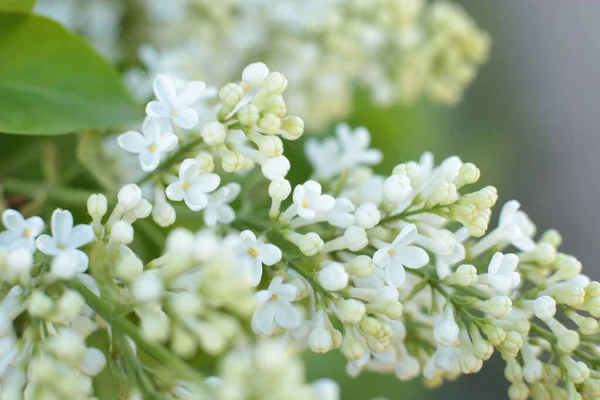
(17, 5)
(53, 82)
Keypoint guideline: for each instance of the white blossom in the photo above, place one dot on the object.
(252, 253)
(21, 232)
(393, 258)
(155, 140)
(192, 186)
(175, 103)
(66, 239)
(275, 308)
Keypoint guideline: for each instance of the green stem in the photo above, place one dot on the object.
(174, 158)
(65, 195)
(122, 324)
(402, 215)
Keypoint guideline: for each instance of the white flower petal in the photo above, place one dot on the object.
(167, 142)
(175, 192)
(211, 215)
(253, 270)
(62, 224)
(188, 170)
(263, 317)
(395, 275)
(324, 204)
(286, 315)
(207, 182)
(186, 119)
(269, 254)
(157, 109)
(80, 236)
(406, 236)
(247, 239)
(164, 89)
(226, 214)
(285, 292)
(47, 245)
(190, 93)
(149, 160)
(13, 220)
(195, 198)
(382, 258)
(35, 225)
(133, 142)
(412, 257)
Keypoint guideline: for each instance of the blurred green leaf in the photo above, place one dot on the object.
(52, 82)
(17, 5)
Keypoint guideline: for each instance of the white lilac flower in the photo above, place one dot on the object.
(399, 254)
(192, 186)
(66, 239)
(275, 308)
(349, 149)
(218, 210)
(517, 225)
(502, 274)
(252, 253)
(21, 232)
(176, 103)
(309, 201)
(154, 140)
(514, 227)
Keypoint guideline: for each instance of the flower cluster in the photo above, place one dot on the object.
(398, 50)
(399, 272)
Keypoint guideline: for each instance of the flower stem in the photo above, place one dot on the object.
(127, 328)
(65, 195)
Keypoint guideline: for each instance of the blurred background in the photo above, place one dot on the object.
(529, 122)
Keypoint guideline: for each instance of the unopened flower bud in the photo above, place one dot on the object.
(465, 275)
(128, 266)
(232, 161)
(121, 232)
(361, 266)
(206, 162)
(275, 83)
(333, 277)
(254, 74)
(231, 94)
(97, 206)
(367, 215)
(498, 306)
(351, 310)
(270, 146)
(397, 188)
(129, 196)
(467, 175)
(320, 340)
(40, 304)
(147, 287)
(292, 127)
(310, 244)
(279, 189)
(213, 133)
(544, 307)
(269, 124)
(248, 115)
(355, 238)
(164, 214)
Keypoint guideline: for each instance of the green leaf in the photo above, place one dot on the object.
(17, 5)
(52, 82)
